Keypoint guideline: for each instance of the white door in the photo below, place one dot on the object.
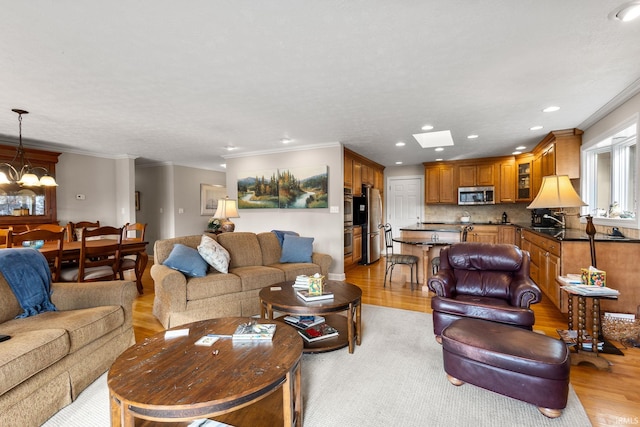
(404, 202)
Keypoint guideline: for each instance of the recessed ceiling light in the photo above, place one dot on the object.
(438, 160)
(286, 140)
(439, 149)
(551, 109)
(427, 127)
(515, 153)
(398, 163)
(537, 127)
(520, 148)
(626, 12)
(472, 136)
(400, 144)
(224, 165)
(231, 148)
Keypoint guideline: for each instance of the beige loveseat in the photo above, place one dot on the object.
(255, 263)
(52, 356)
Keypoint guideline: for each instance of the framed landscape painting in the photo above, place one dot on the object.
(258, 190)
(209, 196)
(303, 187)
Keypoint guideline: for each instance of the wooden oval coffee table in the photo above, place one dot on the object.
(347, 297)
(172, 379)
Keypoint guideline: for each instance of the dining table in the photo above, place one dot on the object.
(135, 247)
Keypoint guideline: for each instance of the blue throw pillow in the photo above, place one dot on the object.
(296, 249)
(280, 235)
(187, 261)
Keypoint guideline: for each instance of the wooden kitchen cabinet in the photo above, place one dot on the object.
(439, 186)
(507, 188)
(481, 174)
(348, 172)
(357, 178)
(483, 234)
(357, 244)
(524, 178)
(507, 234)
(545, 263)
(359, 170)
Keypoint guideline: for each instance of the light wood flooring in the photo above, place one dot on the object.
(610, 398)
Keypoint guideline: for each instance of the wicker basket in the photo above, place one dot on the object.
(621, 329)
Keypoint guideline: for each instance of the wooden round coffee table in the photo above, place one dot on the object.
(347, 297)
(172, 379)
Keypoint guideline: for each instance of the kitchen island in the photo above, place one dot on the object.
(425, 241)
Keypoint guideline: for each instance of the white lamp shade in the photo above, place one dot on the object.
(227, 208)
(556, 192)
(4, 179)
(29, 180)
(48, 181)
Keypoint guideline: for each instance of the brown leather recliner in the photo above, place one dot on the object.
(483, 281)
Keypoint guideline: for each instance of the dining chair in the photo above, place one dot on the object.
(75, 229)
(132, 232)
(51, 227)
(5, 233)
(99, 256)
(52, 250)
(394, 259)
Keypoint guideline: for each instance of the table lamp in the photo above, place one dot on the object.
(227, 208)
(556, 191)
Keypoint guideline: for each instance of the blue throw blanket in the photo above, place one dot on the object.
(27, 272)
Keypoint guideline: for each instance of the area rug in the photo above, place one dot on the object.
(395, 378)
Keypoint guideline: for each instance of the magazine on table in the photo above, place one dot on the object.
(305, 295)
(304, 322)
(302, 282)
(254, 331)
(318, 332)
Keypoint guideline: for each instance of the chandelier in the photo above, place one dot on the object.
(19, 170)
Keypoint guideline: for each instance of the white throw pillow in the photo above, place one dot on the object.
(215, 255)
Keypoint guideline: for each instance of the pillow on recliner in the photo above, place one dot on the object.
(296, 249)
(187, 261)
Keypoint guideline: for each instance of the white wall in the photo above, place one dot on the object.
(165, 190)
(327, 229)
(95, 178)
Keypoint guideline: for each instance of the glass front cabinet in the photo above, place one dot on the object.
(524, 177)
(22, 206)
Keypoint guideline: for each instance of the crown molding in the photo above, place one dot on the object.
(629, 92)
(281, 150)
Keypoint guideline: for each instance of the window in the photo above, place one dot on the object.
(610, 185)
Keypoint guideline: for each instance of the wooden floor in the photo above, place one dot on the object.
(610, 398)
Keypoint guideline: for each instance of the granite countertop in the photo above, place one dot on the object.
(568, 234)
(575, 234)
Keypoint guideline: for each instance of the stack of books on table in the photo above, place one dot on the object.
(302, 282)
(318, 332)
(254, 331)
(306, 296)
(570, 337)
(304, 322)
(592, 291)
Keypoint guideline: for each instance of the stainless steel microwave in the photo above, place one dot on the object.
(476, 195)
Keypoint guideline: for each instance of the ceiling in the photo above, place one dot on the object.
(179, 82)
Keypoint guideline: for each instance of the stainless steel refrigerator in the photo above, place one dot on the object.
(369, 215)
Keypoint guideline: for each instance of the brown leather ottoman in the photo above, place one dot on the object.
(508, 360)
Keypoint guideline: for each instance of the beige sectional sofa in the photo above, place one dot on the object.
(255, 263)
(53, 356)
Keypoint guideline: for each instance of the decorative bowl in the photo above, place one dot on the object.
(35, 244)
